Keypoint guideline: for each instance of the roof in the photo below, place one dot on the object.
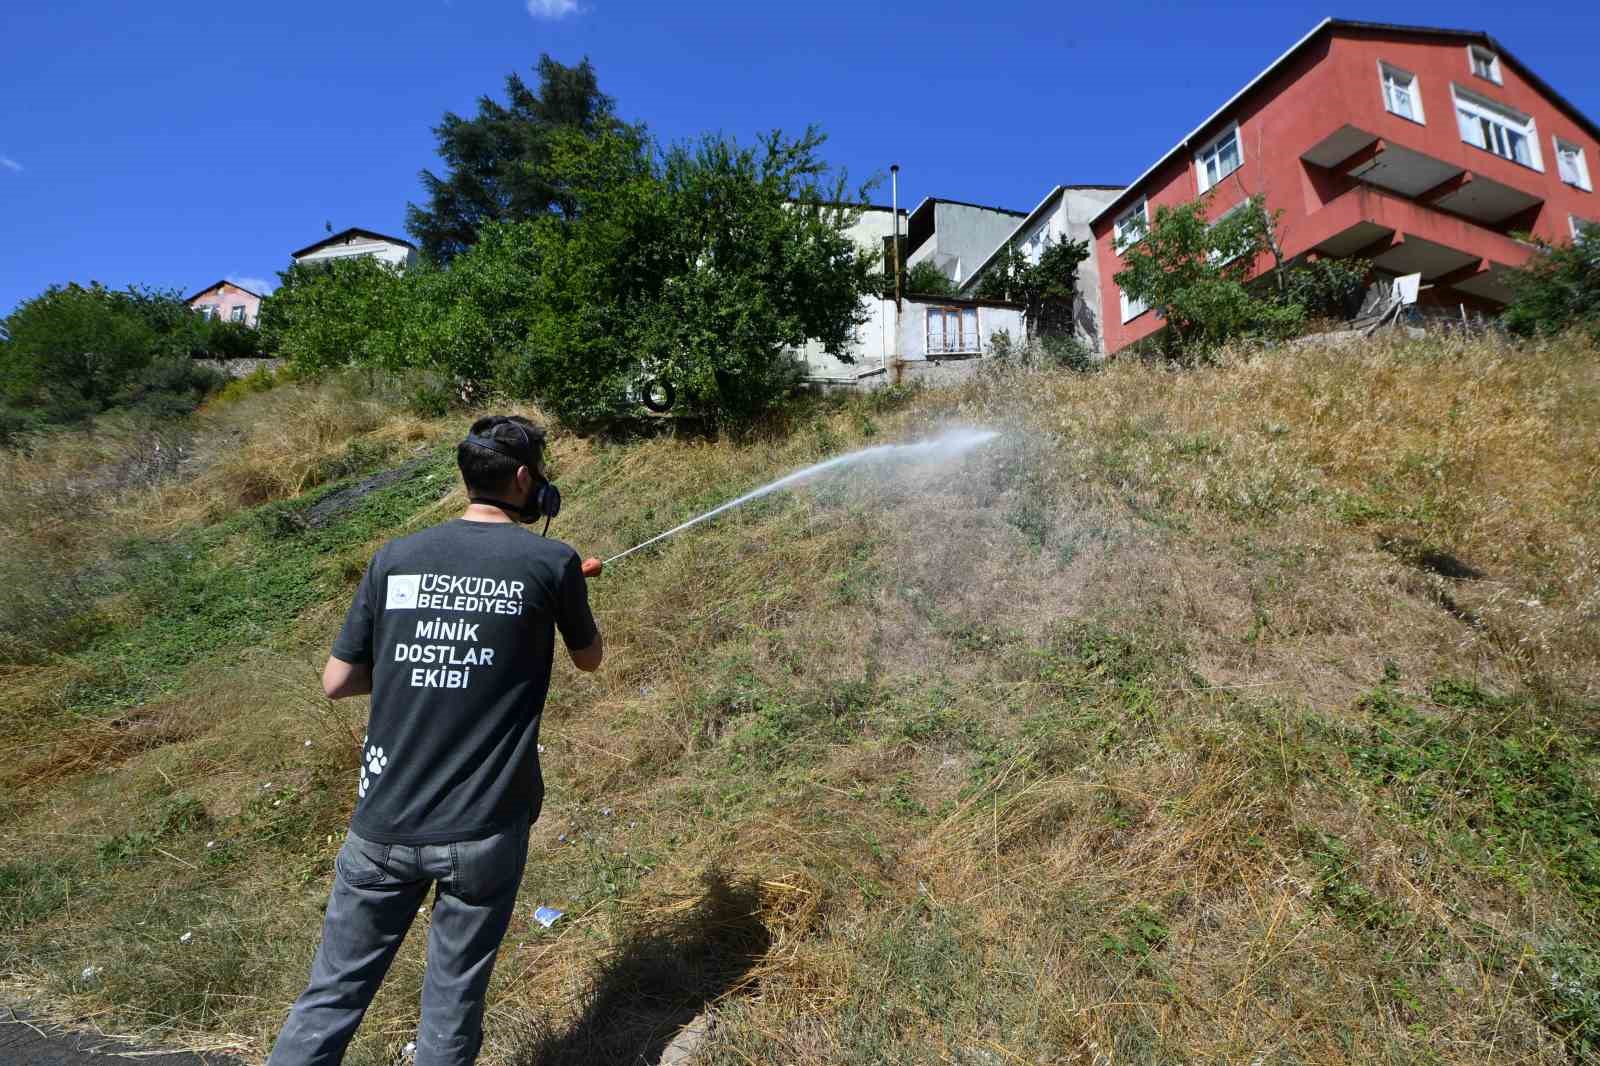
(1049, 198)
(218, 284)
(345, 235)
(965, 203)
(964, 301)
(1329, 25)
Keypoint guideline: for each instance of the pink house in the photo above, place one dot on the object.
(227, 301)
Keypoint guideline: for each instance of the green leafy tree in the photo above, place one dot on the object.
(705, 265)
(1047, 288)
(498, 163)
(927, 280)
(1193, 272)
(1558, 290)
(341, 312)
(77, 348)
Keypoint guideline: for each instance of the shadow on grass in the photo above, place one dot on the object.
(662, 973)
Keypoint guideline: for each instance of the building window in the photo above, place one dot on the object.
(1485, 64)
(238, 314)
(953, 331)
(1573, 166)
(1131, 309)
(1033, 247)
(1583, 229)
(1494, 128)
(207, 311)
(1217, 256)
(1219, 159)
(1400, 93)
(1130, 226)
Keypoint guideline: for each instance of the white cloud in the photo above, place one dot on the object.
(552, 9)
(10, 164)
(261, 285)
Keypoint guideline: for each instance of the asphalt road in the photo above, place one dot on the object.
(24, 1043)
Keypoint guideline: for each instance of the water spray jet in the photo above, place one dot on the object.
(945, 446)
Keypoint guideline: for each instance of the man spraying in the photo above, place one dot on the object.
(452, 631)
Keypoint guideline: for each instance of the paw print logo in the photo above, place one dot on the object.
(373, 763)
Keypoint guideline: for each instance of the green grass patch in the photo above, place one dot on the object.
(236, 583)
(1505, 785)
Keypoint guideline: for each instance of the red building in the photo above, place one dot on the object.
(1420, 149)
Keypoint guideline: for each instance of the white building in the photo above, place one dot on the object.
(353, 242)
(956, 236)
(1063, 215)
(924, 336)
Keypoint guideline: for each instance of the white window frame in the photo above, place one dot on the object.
(1033, 247)
(1386, 71)
(1574, 222)
(1201, 177)
(207, 311)
(1493, 111)
(964, 344)
(1119, 237)
(1214, 256)
(1582, 174)
(237, 313)
(1474, 53)
(1131, 309)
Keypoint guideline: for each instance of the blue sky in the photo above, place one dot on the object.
(173, 144)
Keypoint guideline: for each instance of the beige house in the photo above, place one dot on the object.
(353, 242)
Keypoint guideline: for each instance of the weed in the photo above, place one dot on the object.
(1510, 789)
(1140, 934)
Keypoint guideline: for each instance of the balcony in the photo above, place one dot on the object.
(1402, 236)
(1439, 183)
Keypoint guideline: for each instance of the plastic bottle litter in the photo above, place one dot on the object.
(546, 916)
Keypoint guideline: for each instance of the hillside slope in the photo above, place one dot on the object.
(1244, 714)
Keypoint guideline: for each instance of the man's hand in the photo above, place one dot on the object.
(592, 567)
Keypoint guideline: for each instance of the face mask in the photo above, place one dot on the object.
(544, 501)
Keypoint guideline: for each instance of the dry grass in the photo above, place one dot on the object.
(1053, 756)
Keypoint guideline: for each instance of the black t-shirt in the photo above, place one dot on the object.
(458, 622)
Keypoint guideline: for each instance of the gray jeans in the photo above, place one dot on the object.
(377, 891)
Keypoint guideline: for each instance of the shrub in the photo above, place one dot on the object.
(1047, 288)
(1329, 288)
(1194, 273)
(928, 280)
(1558, 290)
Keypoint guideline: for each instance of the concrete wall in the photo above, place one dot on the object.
(240, 368)
(386, 251)
(963, 236)
(887, 337)
(871, 343)
(223, 299)
(871, 229)
(1069, 220)
(913, 326)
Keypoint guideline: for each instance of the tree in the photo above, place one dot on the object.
(72, 345)
(73, 351)
(928, 280)
(339, 312)
(1558, 290)
(1047, 288)
(498, 164)
(1193, 273)
(704, 264)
